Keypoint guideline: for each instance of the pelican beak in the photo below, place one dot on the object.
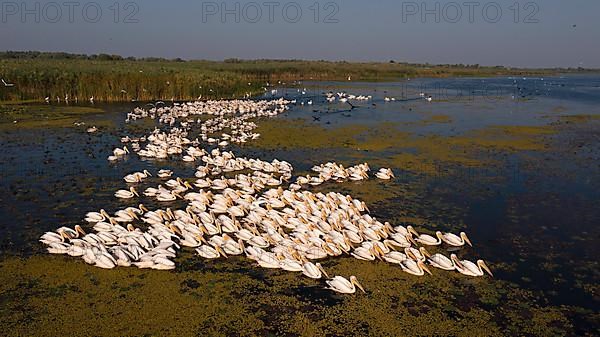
(389, 244)
(186, 184)
(456, 261)
(466, 238)
(411, 230)
(202, 239)
(143, 208)
(322, 270)
(79, 230)
(410, 254)
(126, 149)
(424, 267)
(382, 233)
(439, 235)
(134, 192)
(296, 256)
(375, 252)
(486, 268)
(388, 228)
(410, 239)
(132, 214)
(218, 249)
(355, 281)
(348, 242)
(174, 229)
(147, 173)
(424, 252)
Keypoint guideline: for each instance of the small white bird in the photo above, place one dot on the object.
(7, 84)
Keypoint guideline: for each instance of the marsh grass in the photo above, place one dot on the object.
(112, 78)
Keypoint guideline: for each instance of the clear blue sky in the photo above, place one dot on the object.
(566, 32)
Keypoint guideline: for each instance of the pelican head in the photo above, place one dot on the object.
(484, 266)
(174, 228)
(104, 214)
(201, 238)
(147, 173)
(410, 239)
(188, 185)
(456, 261)
(354, 281)
(379, 251)
(142, 208)
(125, 149)
(389, 244)
(130, 228)
(411, 230)
(424, 252)
(321, 269)
(424, 267)
(134, 191)
(80, 230)
(464, 236)
(220, 251)
(410, 254)
(388, 228)
(132, 214)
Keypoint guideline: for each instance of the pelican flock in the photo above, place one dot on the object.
(243, 206)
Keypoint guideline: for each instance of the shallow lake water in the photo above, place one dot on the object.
(514, 162)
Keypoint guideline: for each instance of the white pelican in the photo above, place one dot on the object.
(341, 285)
(395, 257)
(121, 152)
(209, 252)
(137, 177)
(469, 268)
(413, 267)
(455, 240)
(96, 216)
(164, 174)
(125, 194)
(441, 261)
(363, 253)
(291, 265)
(313, 270)
(385, 174)
(429, 240)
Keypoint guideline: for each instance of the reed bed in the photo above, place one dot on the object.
(37, 76)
